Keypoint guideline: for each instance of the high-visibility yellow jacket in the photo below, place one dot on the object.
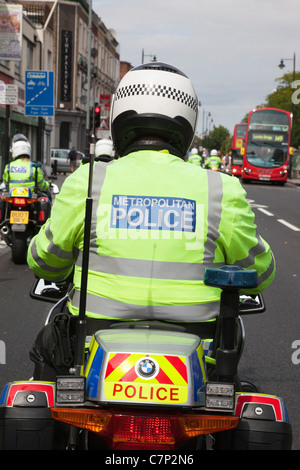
(213, 162)
(195, 159)
(157, 223)
(22, 173)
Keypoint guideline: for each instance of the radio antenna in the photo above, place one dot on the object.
(81, 321)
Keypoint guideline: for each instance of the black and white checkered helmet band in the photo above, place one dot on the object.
(163, 91)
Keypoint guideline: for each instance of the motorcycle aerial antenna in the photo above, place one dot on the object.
(79, 349)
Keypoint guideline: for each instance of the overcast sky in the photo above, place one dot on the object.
(229, 48)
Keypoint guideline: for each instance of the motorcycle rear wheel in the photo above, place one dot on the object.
(19, 247)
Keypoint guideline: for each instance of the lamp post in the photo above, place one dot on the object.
(281, 66)
(207, 117)
(148, 55)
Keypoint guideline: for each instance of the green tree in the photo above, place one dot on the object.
(283, 98)
(219, 138)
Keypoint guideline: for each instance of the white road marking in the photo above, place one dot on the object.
(287, 224)
(265, 211)
(262, 209)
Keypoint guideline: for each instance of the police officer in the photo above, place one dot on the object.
(104, 151)
(157, 223)
(21, 171)
(213, 162)
(194, 157)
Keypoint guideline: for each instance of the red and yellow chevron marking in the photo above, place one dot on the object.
(170, 385)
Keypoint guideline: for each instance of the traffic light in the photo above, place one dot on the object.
(97, 113)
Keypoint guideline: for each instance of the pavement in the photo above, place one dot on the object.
(294, 181)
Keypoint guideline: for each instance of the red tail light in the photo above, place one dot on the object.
(42, 216)
(19, 201)
(146, 430)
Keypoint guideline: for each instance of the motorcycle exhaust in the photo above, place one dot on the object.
(4, 230)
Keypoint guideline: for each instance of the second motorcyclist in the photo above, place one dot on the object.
(213, 162)
(22, 171)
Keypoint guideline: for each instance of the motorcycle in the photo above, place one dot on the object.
(22, 213)
(148, 385)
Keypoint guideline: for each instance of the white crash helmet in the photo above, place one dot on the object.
(214, 153)
(20, 146)
(194, 151)
(154, 100)
(104, 147)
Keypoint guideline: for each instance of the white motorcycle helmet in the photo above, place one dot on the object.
(20, 146)
(104, 148)
(154, 100)
(214, 153)
(194, 151)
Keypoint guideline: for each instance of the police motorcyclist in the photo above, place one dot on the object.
(213, 161)
(194, 157)
(104, 151)
(21, 171)
(157, 223)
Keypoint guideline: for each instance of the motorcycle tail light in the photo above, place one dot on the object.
(42, 216)
(93, 420)
(124, 430)
(19, 201)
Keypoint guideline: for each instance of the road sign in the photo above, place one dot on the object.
(8, 93)
(39, 93)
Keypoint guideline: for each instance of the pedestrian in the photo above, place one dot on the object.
(226, 161)
(157, 223)
(72, 156)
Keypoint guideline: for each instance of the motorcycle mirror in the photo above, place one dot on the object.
(249, 304)
(54, 188)
(48, 291)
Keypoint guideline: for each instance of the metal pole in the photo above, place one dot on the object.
(87, 128)
(293, 110)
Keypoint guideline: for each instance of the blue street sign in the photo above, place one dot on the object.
(39, 93)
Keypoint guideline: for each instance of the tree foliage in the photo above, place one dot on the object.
(286, 97)
(219, 138)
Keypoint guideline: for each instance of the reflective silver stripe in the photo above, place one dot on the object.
(258, 249)
(108, 308)
(45, 266)
(264, 276)
(214, 212)
(56, 250)
(147, 268)
(99, 174)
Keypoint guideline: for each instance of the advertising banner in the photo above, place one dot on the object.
(10, 31)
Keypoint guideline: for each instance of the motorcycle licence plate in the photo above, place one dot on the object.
(19, 217)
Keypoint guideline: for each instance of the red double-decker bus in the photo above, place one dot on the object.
(238, 143)
(267, 145)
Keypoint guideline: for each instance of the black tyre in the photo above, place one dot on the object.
(19, 247)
